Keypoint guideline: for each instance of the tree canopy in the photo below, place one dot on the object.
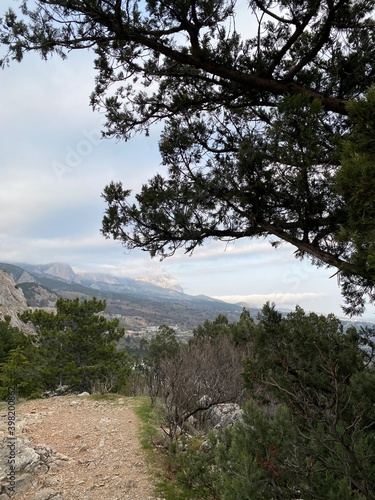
(308, 430)
(264, 130)
(78, 346)
(19, 362)
(304, 425)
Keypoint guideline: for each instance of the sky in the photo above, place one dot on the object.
(54, 167)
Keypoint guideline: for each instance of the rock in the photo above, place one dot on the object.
(47, 494)
(192, 421)
(205, 401)
(75, 403)
(53, 481)
(59, 391)
(130, 484)
(62, 271)
(23, 482)
(83, 394)
(29, 460)
(12, 302)
(44, 451)
(224, 415)
(205, 446)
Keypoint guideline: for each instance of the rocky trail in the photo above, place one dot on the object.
(76, 447)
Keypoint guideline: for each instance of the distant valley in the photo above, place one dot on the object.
(140, 305)
(138, 302)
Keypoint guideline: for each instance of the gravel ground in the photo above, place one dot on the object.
(100, 440)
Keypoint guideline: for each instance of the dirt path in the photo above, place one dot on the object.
(99, 439)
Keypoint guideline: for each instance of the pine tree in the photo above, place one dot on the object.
(19, 362)
(78, 346)
(308, 431)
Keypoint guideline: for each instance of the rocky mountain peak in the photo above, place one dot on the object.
(161, 280)
(61, 271)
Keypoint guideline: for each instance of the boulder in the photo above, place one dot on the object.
(224, 415)
(29, 460)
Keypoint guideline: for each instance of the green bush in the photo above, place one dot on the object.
(19, 362)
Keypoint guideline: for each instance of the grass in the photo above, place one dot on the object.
(107, 396)
(164, 464)
(149, 421)
(149, 429)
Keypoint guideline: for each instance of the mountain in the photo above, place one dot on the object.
(57, 270)
(138, 302)
(161, 280)
(161, 286)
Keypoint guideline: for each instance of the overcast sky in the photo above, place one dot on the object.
(54, 166)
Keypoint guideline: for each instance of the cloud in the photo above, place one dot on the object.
(217, 249)
(53, 168)
(278, 298)
(244, 254)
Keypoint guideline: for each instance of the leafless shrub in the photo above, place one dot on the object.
(203, 374)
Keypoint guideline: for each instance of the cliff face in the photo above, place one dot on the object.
(12, 300)
(61, 271)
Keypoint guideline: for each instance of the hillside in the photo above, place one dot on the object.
(138, 302)
(12, 301)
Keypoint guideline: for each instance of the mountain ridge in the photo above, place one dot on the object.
(126, 297)
(63, 271)
(137, 303)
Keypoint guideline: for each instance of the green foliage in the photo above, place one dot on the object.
(78, 347)
(243, 330)
(211, 329)
(239, 332)
(18, 362)
(356, 183)
(267, 456)
(256, 458)
(19, 371)
(255, 124)
(163, 345)
(11, 338)
(185, 380)
(308, 427)
(196, 473)
(149, 422)
(311, 427)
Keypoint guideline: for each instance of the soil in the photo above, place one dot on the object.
(100, 440)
